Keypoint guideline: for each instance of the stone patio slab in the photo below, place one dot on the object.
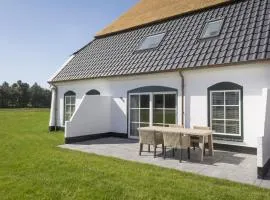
(232, 166)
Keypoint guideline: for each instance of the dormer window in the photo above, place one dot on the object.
(211, 29)
(151, 41)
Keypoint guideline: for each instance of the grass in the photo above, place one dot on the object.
(33, 167)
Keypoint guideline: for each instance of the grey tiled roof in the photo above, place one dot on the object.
(244, 37)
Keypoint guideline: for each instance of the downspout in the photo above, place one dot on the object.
(54, 125)
(182, 98)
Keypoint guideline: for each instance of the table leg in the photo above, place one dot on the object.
(201, 145)
(210, 145)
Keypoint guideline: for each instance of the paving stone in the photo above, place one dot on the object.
(233, 166)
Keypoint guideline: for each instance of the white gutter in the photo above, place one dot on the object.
(182, 98)
(53, 113)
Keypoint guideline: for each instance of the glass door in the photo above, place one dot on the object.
(164, 109)
(147, 109)
(139, 113)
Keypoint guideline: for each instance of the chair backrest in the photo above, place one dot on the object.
(172, 139)
(176, 140)
(202, 127)
(176, 125)
(147, 136)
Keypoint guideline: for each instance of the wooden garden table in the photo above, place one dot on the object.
(187, 131)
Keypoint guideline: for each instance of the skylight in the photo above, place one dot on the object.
(212, 29)
(151, 41)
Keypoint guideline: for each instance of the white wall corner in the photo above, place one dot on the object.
(52, 110)
(260, 151)
(263, 147)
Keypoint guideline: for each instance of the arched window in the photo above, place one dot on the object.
(69, 105)
(93, 92)
(225, 110)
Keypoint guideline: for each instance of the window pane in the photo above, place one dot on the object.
(212, 29)
(72, 109)
(67, 99)
(158, 116)
(68, 109)
(145, 101)
(158, 124)
(73, 99)
(133, 129)
(151, 41)
(218, 126)
(217, 112)
(144, 124)
(217, 98)
(232, 127)
(67, 117)
(232, 98)
(169, 116)
(134, 115)
(232, 112)
(170, 100)
(134, 101)
(144, 115)
(158, 101)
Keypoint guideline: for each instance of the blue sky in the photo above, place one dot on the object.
(36, 37)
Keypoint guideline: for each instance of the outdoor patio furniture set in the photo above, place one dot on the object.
(176, 137)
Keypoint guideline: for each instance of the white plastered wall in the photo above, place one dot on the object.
(92, 116)
(253, 77)
(117, 88)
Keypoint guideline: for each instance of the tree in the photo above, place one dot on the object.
(24, 94)
(20, 94)
(5, 93)
(40, 97)
(14, 95)
(36, 95)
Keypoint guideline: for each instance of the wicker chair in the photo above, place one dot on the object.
(195, 139)
(176, 141)
(175, 126)
(150, 138)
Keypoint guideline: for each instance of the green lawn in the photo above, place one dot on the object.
(33, 167)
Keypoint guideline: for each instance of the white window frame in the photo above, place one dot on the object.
(224, 105)
(69, 104)
(151, 107)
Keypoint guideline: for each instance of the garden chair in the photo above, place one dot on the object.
(176, 141)
(150, 138)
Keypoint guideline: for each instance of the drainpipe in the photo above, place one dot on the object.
(53, 114)
(182, 97)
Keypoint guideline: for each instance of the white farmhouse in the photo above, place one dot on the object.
(164, 62)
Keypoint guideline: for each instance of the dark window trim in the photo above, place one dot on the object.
(200, 38)
(145, 37)
(68, 93)
(93, 92)
(147, 89)
(227, 86)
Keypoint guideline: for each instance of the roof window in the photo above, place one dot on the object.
(212, 29)
(151, 41)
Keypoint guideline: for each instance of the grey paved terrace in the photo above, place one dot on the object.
(233, 166)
